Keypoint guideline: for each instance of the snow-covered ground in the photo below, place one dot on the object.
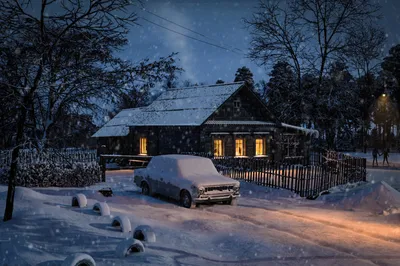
(352, 226)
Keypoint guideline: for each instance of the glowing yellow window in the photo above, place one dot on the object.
(239, 147)
(218, 148)
(143, 145)
(260, 147)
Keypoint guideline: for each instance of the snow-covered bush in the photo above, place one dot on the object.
(55, 175)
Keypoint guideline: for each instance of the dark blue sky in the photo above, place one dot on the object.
(220, 21)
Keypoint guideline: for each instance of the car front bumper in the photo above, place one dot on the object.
(215, 198)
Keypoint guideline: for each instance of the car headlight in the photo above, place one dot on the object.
(201, 190)
(236, 188)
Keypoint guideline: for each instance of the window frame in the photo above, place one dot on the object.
(242, 146)
(263, 149)
(220, 145)
(143, 142)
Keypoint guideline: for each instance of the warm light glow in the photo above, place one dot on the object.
(143, 146)
(218, 148)
(239, 147)
(260, 147)
(384, 95)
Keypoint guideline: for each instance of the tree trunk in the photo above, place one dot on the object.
(14, 163)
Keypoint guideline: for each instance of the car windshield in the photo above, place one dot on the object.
(195, 166)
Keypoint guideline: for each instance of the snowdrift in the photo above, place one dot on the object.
(251, 190)
(377, 198)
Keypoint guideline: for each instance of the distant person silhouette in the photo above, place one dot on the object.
(375, 156)
(385, 156)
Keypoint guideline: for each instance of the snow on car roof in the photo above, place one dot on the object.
(182, 165)
(181, 157)
(189, 106)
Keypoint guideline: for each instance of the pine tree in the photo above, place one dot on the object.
(283, 96)
(391, 64)
(244, 74)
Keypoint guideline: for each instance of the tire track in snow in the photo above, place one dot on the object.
(185, 255)
(327, 223)
(301, 236)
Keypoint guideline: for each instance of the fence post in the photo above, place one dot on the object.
(103, 168)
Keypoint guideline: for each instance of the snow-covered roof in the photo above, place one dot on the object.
(312, 132)
(235, 122)
(189, 106)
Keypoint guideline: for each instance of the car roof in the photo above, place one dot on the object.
(180, 157)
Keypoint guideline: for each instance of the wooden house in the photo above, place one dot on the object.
(222, 119)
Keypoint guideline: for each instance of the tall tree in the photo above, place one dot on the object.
(391, 64)
(330, 23)
(338, 104)
(61, 62)
(367, 95)
(277, 37)
(244, 74)
(363, 49)
(283, 100)
(308, 34)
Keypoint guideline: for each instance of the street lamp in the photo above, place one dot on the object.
(383, 94)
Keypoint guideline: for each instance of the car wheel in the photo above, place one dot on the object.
(145, 189)
(233, 202)
(186, 200)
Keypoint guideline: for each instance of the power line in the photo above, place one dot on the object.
(190, 37)
(186, 28)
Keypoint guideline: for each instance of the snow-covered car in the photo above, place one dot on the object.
(190, 179)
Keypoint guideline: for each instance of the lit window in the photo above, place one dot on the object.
(143, 145)
(218, 148)
(260, 147)
(239, 147)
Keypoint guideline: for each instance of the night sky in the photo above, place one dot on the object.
(221, 22)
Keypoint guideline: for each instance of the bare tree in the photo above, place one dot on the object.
(330, 23)
(307, 33)
(62, 60)
(276, 36)
(364, 48)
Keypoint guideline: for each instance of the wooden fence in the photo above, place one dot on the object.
(329, 170)
(55, 156)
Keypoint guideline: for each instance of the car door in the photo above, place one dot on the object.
(152, 177)
(168, 183)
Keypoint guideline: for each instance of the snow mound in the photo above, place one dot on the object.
(102, 207)
(128, 247)
(79, 200)
(123, 222)
(252, 190)
(393, 218)
(23, 193)
(377, 197)
(144, 233)
(79, 259)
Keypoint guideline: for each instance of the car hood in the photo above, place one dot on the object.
(212, 180)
